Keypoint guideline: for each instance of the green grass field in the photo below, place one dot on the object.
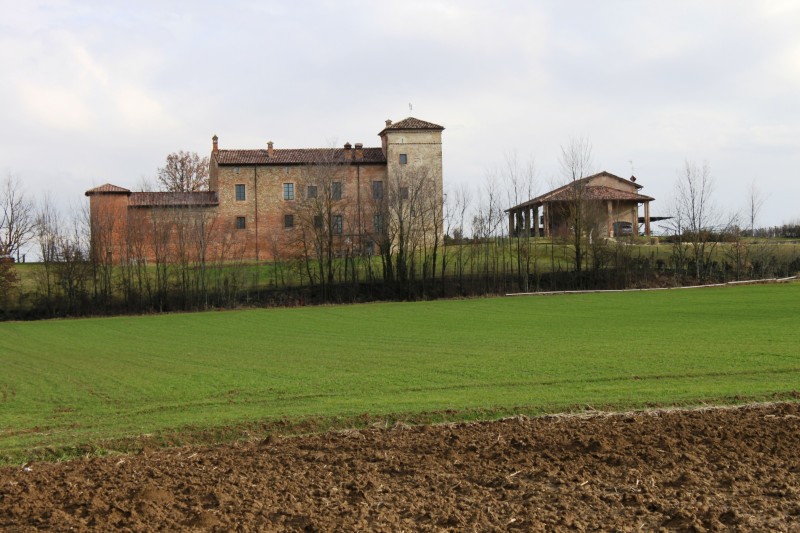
(106, 382)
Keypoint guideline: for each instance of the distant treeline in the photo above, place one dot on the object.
(786, 231)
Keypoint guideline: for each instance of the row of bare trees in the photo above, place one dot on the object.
(403, 238)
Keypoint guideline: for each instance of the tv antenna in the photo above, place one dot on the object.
(410, 107)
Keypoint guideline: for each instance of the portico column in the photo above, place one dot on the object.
(527, 222)
(511, 216)
(647, 218)
(546, 212)
(609, 222)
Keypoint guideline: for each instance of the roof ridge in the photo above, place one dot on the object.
(411, 123)
(107, 188)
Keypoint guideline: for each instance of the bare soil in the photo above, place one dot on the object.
(714, 469)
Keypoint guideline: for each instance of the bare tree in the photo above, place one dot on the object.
(73, 268)
(695, 217)
(461, 208)
(487, 227)
(755, 201)
(576, 163)
(47, 231)
(184, 172)
(320, 216)
(17, 217)
(137, 279)
(161, 228)
(520, 183)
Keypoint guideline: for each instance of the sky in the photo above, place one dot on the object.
(97, 92)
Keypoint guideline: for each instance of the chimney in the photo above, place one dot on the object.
(214, 145)
(269, 149)
(359, 150)
(388, 122)
(348, 154)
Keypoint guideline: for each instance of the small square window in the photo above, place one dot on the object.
(240, 192)
(288, 221)
(403, 159)
(377, 190)
(337, 224)
(240, 223)
(311, 192)
(236, 170)
(336, 190)
(317, 221)
(288, 191)
(404, 193)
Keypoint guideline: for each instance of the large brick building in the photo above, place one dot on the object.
(278, 202)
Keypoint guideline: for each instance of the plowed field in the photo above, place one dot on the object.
(710, 469)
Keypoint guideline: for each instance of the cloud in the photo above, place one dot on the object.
(649, 82)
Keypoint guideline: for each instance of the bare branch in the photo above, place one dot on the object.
(16, 217)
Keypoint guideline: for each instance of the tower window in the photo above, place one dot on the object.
(336, 190)
(240, 192)
(240, 223)
(403, 159)
(288, 221)
(288, 191)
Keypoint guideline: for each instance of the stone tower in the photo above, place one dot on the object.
(413, 146)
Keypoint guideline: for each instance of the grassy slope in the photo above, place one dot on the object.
(68, 382)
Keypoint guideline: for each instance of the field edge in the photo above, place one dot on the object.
(268, 429)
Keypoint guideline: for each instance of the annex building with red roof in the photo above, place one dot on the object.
(608, 203)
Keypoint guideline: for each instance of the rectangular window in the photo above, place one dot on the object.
(403, 159)
(311, 192)
(377, 190)
(240, 194)
(288, 191)
(235, 170)
(337, 224)
(240, 222)
(404, 193)
(336, 190)
(288, 221)
(377, 223)
(317, 221)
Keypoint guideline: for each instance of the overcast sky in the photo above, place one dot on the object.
(96, 92)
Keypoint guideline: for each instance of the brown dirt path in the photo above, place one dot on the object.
(732, 469)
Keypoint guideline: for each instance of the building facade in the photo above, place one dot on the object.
(272, 202)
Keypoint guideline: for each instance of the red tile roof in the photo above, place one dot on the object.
(107, 188)
(173, 199)
(596, 192)
(412, 123)
(299, 156)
